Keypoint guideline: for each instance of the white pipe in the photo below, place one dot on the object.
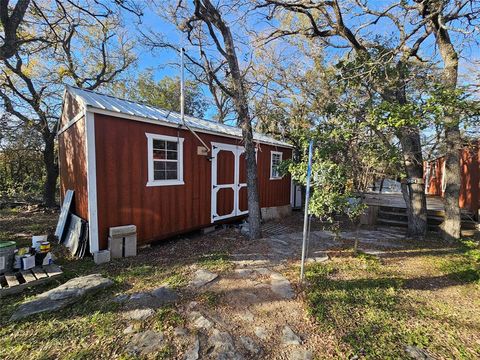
(182, 88)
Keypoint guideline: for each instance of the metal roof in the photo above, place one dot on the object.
(96, 100)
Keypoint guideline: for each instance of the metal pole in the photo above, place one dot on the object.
(182, 89)
(305, 219)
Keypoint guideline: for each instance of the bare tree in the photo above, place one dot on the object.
(208, 22)
(383, 67)
(443, 17)
(31, 86)
(11, 22)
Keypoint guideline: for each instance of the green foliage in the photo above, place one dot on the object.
(165, 94)
(216, 262)
(331, 188)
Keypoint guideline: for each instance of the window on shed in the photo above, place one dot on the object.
(165, 160)
(275, 160)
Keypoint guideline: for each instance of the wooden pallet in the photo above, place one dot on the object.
(16, 282)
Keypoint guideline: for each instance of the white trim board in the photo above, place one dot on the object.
(71, 122)
(91, 182)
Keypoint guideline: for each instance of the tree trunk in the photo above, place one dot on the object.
(207, 12)
(415, 199)
(51, 167)
(452, 225)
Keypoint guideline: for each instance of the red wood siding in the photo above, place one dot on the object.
(470, 176)
(163, 211)
(73, 166)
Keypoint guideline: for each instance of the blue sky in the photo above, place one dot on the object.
(163, 62)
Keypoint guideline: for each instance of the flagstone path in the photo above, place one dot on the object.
(256, 312)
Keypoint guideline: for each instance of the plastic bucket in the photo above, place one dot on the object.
(7, 250)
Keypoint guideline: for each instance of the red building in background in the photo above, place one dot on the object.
(434, 171)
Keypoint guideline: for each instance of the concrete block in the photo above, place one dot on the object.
(276, 212)
(122, 231)
(208, 230)
(115, 245)
(130, 245)
(101, 257)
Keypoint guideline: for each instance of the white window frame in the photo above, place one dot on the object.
(271, 164)
(151, 181)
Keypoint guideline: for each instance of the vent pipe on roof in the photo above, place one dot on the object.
(182, 88)
(182, 105)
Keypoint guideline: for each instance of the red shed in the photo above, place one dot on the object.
(470, 177)
(130, 163)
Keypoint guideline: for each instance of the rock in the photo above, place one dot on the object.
(139, 314)
(202, 277)
(62, 295)
(180, 331)
(221, 344)
(417, 353)
(165, 294)
(192, 352)
(243, 273)
(281, 286)
(264, 271)
(192, 305)
(199, 321)
(261, 332)
(145, 343)
(289, 337)
(249, 345)
(120, 298)
(153, 299)
(300, 354)
(247, 316)
(320, 257)
(129, 330)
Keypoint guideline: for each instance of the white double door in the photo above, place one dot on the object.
(229, 187)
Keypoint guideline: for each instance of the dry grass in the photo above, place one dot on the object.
(427, 296)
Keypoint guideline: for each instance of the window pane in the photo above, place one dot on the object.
(159, 175)
(171, 165)
(159, 165)
(159, 144)
(171, 145)
(172, 175)
(159, 154)
(172, 155)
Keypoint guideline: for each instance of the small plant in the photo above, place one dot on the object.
(216, 262)
(210, 298)
(167, 317)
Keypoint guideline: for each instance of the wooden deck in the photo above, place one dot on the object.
(434, 203)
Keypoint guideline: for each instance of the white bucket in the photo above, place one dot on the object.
(37, 240)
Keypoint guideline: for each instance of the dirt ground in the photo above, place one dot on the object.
(393, 294)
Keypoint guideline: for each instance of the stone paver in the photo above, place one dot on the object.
(261, 332)
(199, 321)
(289, 337)
(250, 345)
(145, 343)
(139, 314)
(281, 286)
(202, 277)
(300, 354)
(62, 295)
(192, 352)
(222, 347)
